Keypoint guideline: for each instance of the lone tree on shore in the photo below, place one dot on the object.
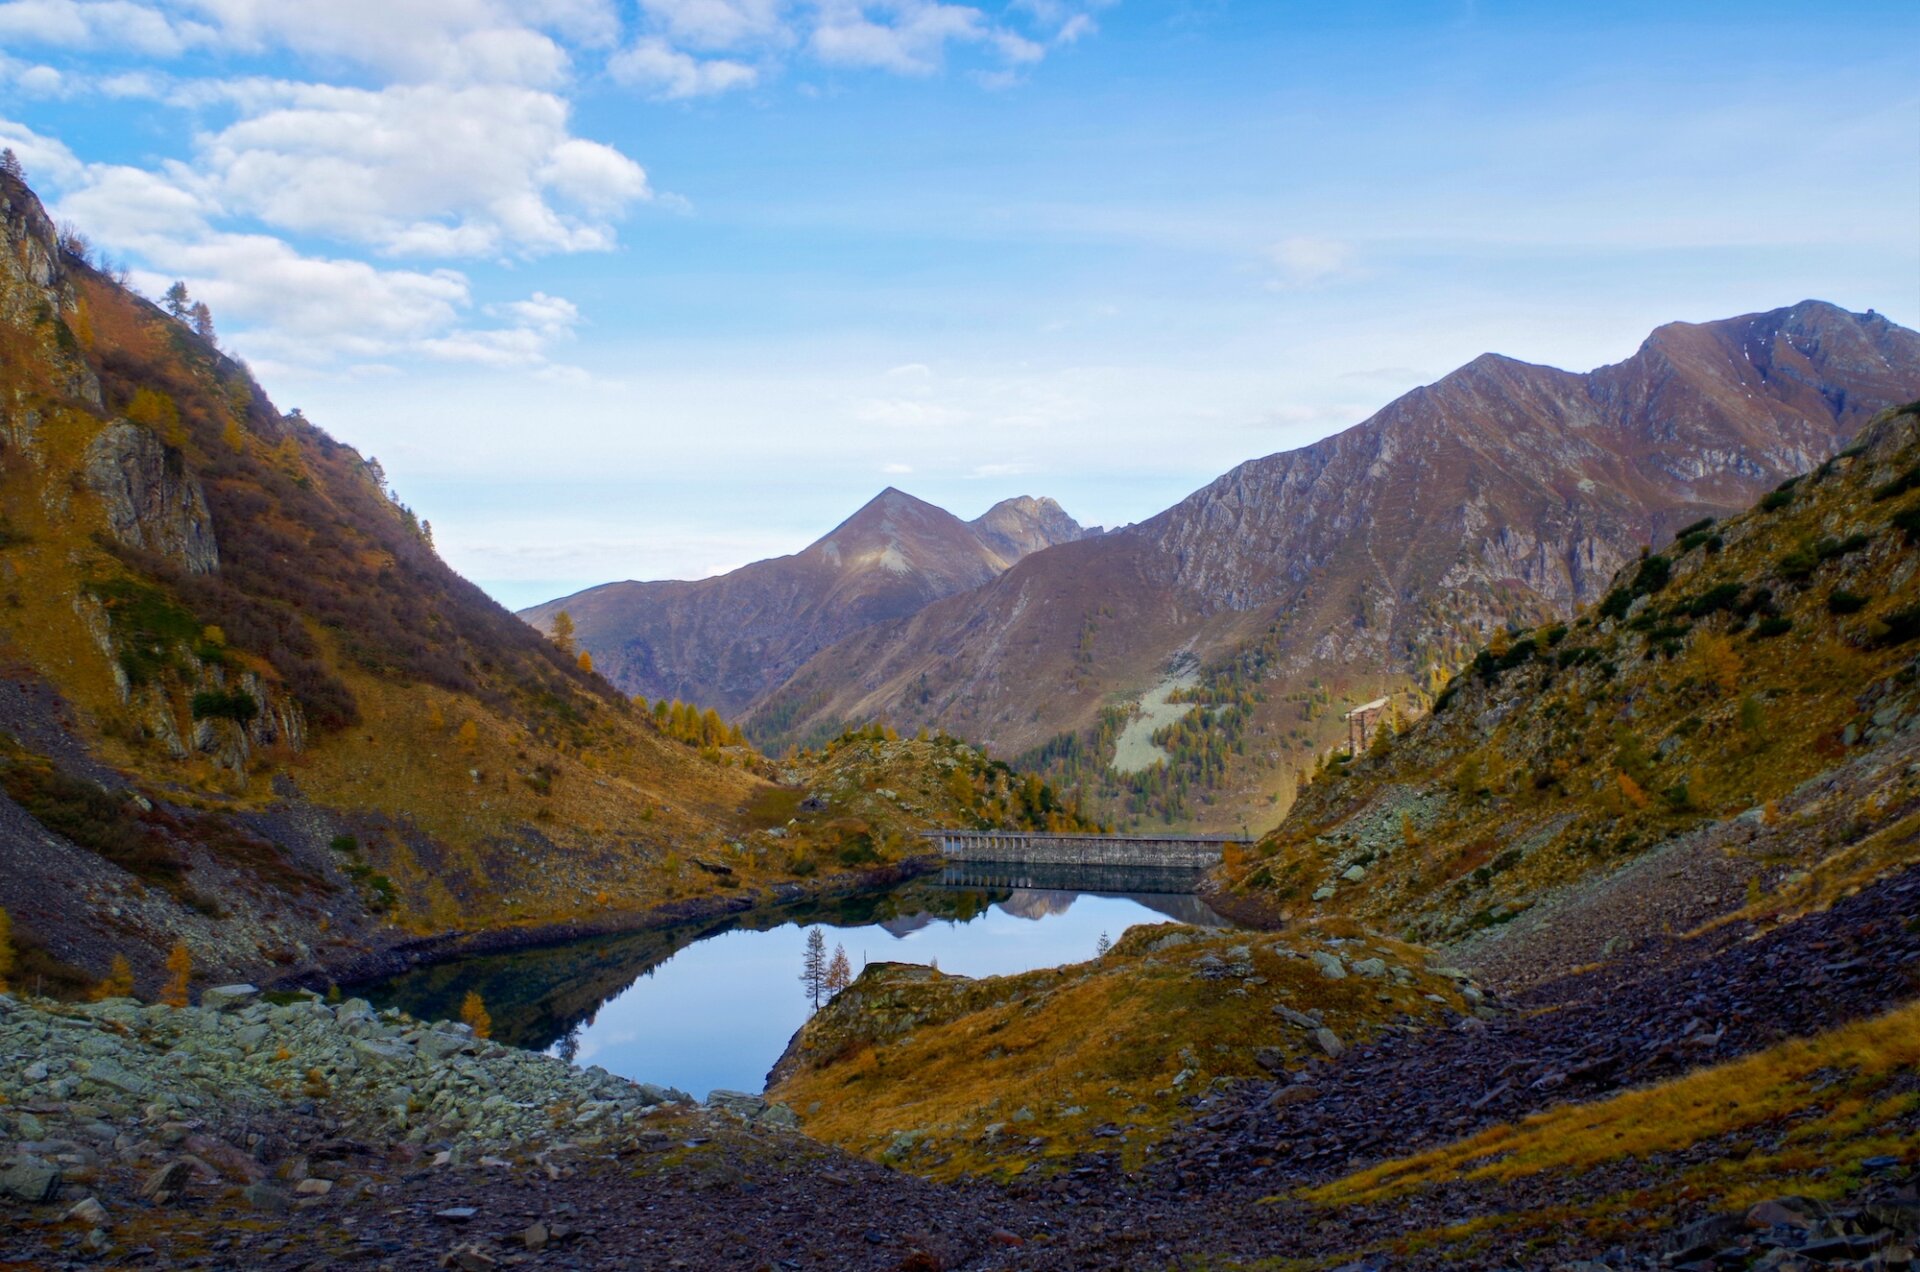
(839, 971)
(813, 966)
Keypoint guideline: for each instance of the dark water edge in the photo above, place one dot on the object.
(737, 994)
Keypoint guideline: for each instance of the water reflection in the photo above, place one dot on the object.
(713, 1005)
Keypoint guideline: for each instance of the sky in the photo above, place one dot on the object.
(654, 288)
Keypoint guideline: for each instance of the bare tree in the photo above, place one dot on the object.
(813, 966)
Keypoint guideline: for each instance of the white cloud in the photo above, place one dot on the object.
(428, 170)
(720, 24)
(89, 24)
(1304, 261)
(908, 37)
(667, 73)
(896, 470)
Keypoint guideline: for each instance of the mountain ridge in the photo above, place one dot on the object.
(722, 642)
(1373, 560)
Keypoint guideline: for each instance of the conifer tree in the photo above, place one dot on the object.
(176, 301)
(118, 982)
(563, 631)
(179, 976)
(201, 319)
(839, 971)
(10, 164)
(585, 662)
(1101, 947)
(473, 1013)
(813, 966)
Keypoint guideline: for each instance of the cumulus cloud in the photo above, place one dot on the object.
(430, 170)
(669, 74)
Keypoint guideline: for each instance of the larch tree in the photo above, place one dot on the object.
(200, 318)
(177, 302)
(179, 976)
(118, 982)
(813, 966)
(10, 164)
(473, 1014)
(839, 971)
(1101, 946)
(585, 662)
(468, 735)
(563, 631)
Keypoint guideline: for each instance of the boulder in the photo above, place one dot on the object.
(30, 1181)
(229, 997)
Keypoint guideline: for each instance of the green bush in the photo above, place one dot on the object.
(1900, 626)
(212, 704)
(1768, 627)
(1722, 596)
(1841, 601)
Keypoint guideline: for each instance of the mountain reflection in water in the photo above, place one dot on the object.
(713, 1005)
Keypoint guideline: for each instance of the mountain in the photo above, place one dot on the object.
(1731, 733)
(1236, 626)
(246, 707)
(725, 641)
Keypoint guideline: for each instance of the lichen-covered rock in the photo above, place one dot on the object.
(151, 501)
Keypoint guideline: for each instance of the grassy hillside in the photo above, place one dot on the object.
(947, 1075)
(252, 710)
(1742, 701)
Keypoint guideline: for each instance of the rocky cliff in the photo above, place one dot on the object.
(724, 642)
(1374, 561)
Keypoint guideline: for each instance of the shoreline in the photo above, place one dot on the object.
(411, 953)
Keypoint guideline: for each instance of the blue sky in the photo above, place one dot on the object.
(651, 288)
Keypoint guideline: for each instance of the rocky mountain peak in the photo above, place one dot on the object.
(1023, 524)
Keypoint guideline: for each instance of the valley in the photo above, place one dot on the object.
(346, 917)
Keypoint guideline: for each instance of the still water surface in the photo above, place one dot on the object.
(713, 1005)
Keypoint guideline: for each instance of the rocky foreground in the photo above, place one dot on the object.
(251, 1134)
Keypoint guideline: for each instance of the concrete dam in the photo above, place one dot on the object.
(1157, 852)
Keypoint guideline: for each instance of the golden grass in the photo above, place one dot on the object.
(1834, 1087)
(1071, 1049)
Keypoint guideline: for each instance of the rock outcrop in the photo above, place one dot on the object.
(152, 502)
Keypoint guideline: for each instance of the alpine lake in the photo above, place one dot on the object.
(713, 1005)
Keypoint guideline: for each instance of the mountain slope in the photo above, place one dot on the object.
(1733, 729)
(1373, 561)
(247, 707)
(723, 642)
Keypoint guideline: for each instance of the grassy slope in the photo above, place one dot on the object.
(1779, 645)
(949, 1076)
(1795, 1120)
(479, 776)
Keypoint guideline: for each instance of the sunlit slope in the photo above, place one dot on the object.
(1732, 728)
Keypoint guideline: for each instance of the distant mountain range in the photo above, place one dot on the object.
(1369, 562)
(726, 641)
